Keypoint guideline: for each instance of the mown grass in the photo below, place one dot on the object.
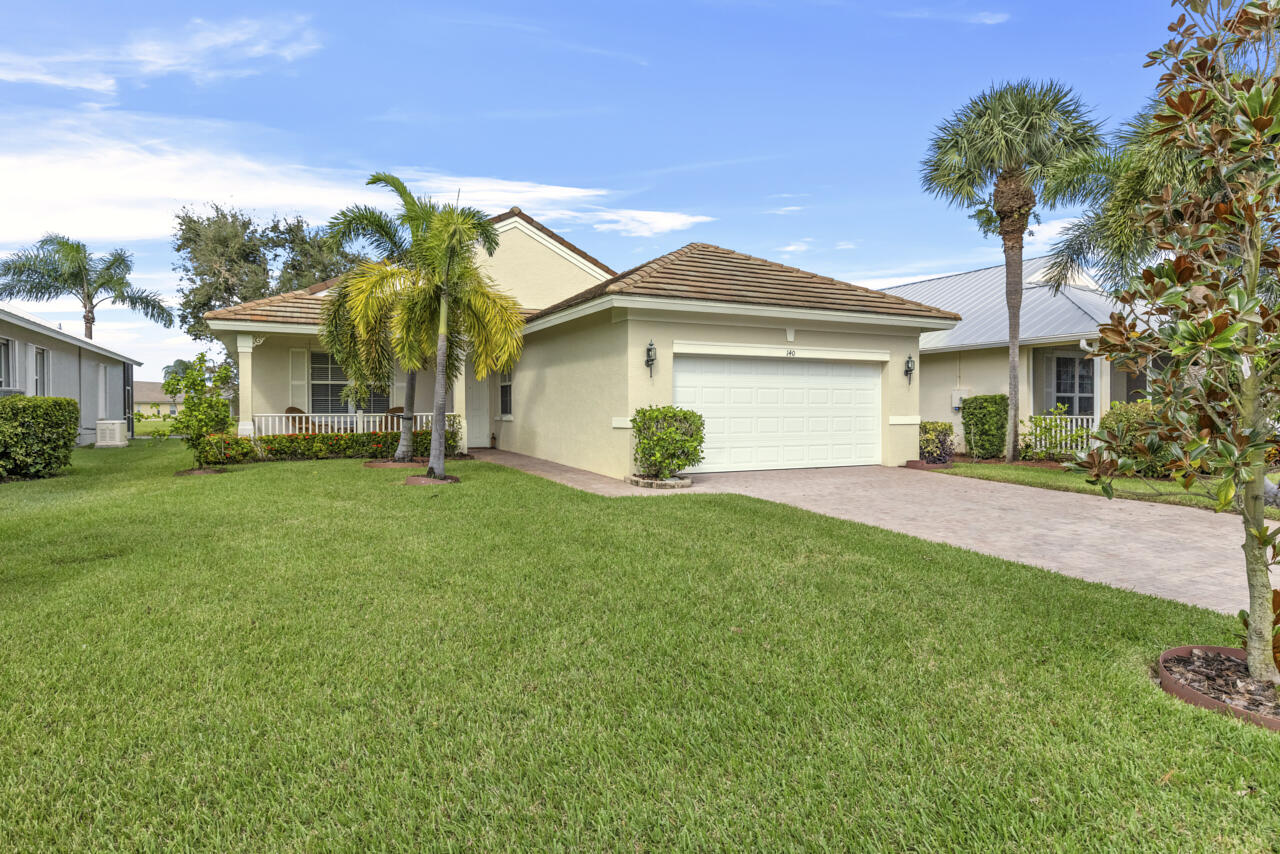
(311, 656)
(1137, 489)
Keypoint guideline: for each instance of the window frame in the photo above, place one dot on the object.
(40, 372)
(1082, 370)
(6, 363)
(506, 403)
(378, 403)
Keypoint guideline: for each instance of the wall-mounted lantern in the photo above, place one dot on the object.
(910, 369)
(650, 356)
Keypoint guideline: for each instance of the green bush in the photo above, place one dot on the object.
(1150, 456)
(37, 435)
(206, 411)
(937, 441)
(223, 449)
(986, 421)
(667, 440)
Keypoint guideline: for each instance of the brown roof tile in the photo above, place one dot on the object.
(700, 271)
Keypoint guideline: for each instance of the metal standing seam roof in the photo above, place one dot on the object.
(1075, 311)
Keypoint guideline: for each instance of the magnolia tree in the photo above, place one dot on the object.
(1202, 323)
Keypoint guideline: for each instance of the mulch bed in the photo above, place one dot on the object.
(423, 480)
(1225, 678)
(186, 472)
(1034, 464)
(921, 465)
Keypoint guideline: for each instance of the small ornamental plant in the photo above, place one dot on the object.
(937, 443)
(667, 440)
(206, 409)
(1203, 323)
(984, 418)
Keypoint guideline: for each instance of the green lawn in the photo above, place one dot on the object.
(311, 656)
(1163, 492)
(145, 427)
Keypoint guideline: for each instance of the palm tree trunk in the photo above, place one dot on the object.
(88, 323)
(1013, 301)
(1013, 202)
(435, 463)
(404, 451)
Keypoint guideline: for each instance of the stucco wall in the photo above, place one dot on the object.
(899, 442)
(536, 274)
(569, 384)
(71, 372)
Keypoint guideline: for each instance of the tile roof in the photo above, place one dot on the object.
(700, 271)
(145, 391)
(1073, 312)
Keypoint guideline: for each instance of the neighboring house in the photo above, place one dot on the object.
(973, 357)
(37, 358)
(790, 369)
(149, 399)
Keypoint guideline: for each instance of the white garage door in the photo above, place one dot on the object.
(782, 413)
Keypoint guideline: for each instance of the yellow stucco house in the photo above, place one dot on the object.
(790, 369)
(1058, 326)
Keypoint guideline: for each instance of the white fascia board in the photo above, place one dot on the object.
(781, 351)
(572, 257)
(257, 326)
(736, 309)
(1025, 342)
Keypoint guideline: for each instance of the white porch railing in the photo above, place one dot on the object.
(273, 424)
(1062, 434)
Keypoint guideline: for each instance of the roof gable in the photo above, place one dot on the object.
(701, 271)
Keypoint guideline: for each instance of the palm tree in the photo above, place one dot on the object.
(993, 156)
(59, 266)
(178, 368)
(426, 302)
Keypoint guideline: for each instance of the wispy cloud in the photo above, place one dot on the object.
(786, 209)
(544, 37)
(804, 244)
(931, 14)
(847, 244)
(108, 176)
(203, 51)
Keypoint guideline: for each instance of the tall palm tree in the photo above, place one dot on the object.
(427, 302)
(994, 156)
(364, 352)
(59, 266)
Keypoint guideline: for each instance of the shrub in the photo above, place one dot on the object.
(206, 410)
(221, 449)
(937, 441)
(1123, 420)
(986, 421)
(37, 435)
(667, 440)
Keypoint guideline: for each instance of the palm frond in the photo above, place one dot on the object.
(377, 228)
(147, 303)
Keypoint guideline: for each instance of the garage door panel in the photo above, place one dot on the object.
(782, 413)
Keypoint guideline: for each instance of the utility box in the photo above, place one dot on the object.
(957, 397)
(112, 434)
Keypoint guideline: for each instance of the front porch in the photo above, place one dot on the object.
(289, 384)
(1069, 394)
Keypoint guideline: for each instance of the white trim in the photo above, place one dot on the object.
(504, 418)
(255, 326)
(1003, 345)
(697, 306)
(778, 351)
(577, 260)
(35, 324)
(903, 419)
(621, 422)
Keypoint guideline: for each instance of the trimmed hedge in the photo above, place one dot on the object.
(986, 422)
(222, 449)
(37, 435)
(1122, 419)
(667, 440)
(937, 441)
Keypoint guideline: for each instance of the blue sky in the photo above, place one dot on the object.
(787, 129)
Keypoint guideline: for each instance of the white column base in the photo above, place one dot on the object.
(245, 428)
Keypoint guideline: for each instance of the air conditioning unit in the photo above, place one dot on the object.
(112, 434)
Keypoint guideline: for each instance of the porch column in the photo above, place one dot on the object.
(1101, 389)
(244, 347)
(460, 406)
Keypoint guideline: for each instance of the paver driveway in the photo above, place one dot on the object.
(1180, 553)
